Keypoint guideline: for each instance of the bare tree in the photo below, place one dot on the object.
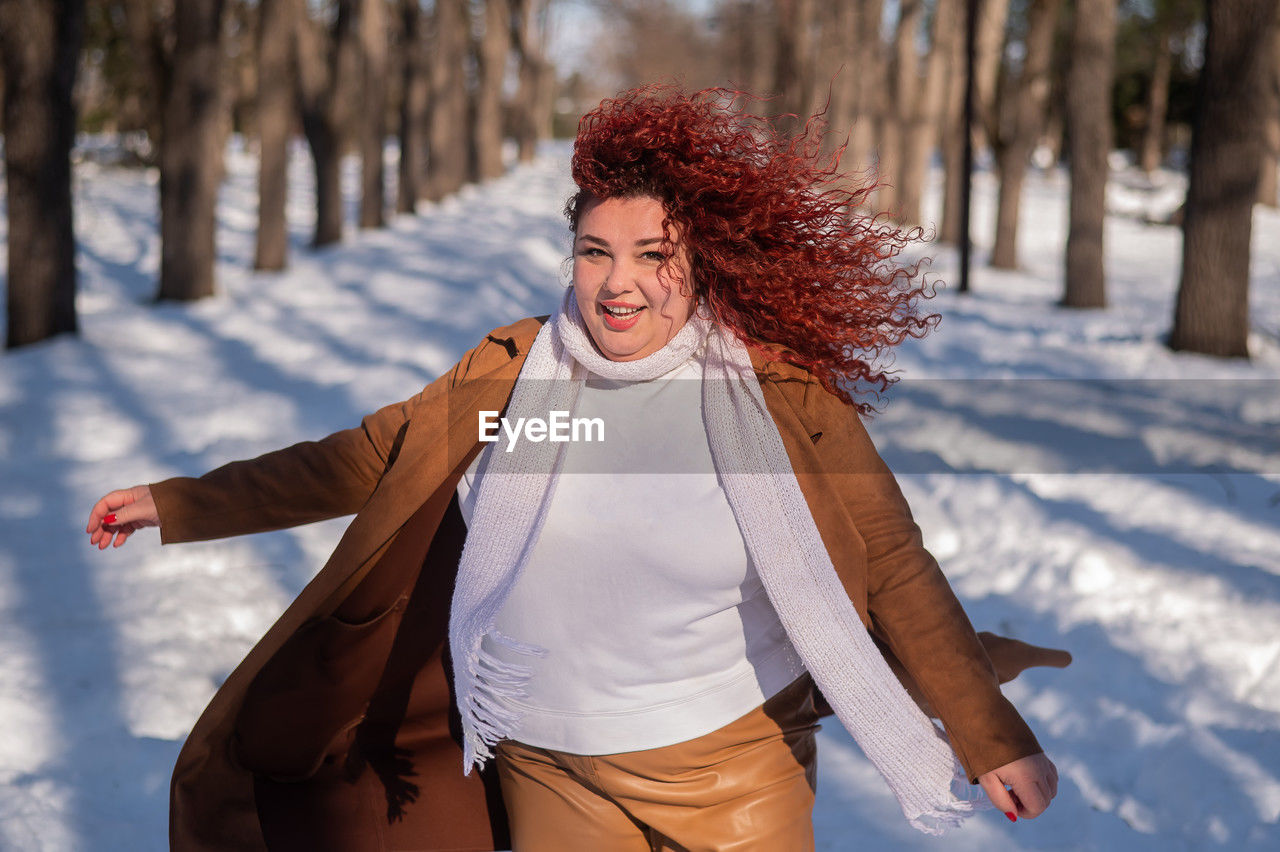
(867, 63)
(328, 60)
(991, 25)
(1093, 35)
(277, 23)
(415, 89)
(536, 91)
(150, 31)
(793, 77)
(447, 106)
(372, 118)
(1267, 182)
(191, 145)
(40, 45)
(903, 84)
(837, 45)
(747, 43)
(1015, 138)
(920, 117)
(1157, 102)
(491, 69)
(1212, 312)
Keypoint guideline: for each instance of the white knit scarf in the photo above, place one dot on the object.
(515, 492)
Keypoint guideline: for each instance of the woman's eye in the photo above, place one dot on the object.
(591, 251)
(655, 256)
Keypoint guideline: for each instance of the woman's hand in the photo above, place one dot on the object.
(1032, 782)
(121, 514)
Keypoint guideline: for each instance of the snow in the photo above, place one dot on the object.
(1083, 487)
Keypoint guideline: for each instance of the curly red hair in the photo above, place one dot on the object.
(774, 245)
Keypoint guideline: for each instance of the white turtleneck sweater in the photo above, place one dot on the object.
(656, 627)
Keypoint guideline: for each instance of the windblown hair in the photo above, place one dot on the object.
(777, 247)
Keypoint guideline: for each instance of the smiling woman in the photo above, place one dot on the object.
(631, 285)
(635, 660)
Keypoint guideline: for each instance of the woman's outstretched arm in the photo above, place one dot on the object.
(119, 515)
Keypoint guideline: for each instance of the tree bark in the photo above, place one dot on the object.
(904, 81)
(1212, 312)
(276, 27)
(792, 71)
(40, 46)
(372, 36)
(494, 47)
(951, 135)
(748, 43)
(870, 103)
(326, 65)
(920, 129)
(1093, 37)
(992, 17)
(413, 107)
(1269, 181)
(838, 44)
(447, 108)
(147, 24)
(537, 78)
(191, 152)
(1157, 105)
(1028, 99)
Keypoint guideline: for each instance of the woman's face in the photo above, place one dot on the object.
(631, 309)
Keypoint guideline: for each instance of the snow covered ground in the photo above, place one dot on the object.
(1082, 486)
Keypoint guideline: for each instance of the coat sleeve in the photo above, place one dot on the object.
(912, 608)
(307, 482)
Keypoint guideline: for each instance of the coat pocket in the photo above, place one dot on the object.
(303, 705)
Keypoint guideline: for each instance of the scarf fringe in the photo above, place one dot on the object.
(489, 709)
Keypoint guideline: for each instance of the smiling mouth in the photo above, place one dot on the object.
(620, 317)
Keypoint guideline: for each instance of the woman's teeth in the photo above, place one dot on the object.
(620, 312)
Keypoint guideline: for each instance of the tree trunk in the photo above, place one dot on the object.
(191, 152)
(447, 107)
(1157, 105)
(372, 36)
(920, 130)
(904, 82)
(951, 137)
(1268, 181)
(992, 16)
(1029, 97)
(149, 72)
(867, 64)
(537, 78)
(40, 47)
(1212, 313)
(838, 44)
(326, 65)
(494, 46)
(792, 73)
(276, 26)
(1093, 39)
(413, 107)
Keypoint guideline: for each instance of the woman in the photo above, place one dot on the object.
(638, 652)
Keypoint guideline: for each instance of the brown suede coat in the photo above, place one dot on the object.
(338, 730)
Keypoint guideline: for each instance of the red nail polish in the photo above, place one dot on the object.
(1011, 817)
(110, 519)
